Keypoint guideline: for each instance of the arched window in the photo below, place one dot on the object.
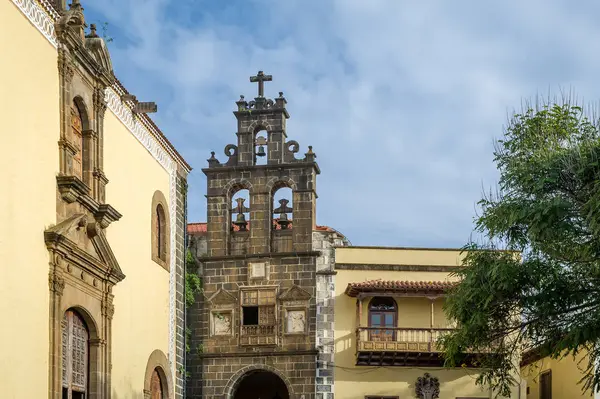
(156, 386)
(161, 236)
(75, 355)
(383, 313)
(77, 129)
(160, 230)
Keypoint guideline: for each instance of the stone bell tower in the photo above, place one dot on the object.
(254, 328)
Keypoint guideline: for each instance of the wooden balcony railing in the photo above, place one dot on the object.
(258, 335)
(375, 339)
(258, 330)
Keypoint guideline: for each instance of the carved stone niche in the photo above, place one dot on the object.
(294, 302)
(222, 305)
(427, 387)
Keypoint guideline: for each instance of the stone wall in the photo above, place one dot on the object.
(180, 245)
(325, 243)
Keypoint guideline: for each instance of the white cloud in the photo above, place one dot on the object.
(401, 100)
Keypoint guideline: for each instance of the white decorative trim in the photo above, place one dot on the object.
(148, 138)
(173, 270)
(39, 18)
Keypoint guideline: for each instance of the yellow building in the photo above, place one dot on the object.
(92, 206)
(388, 315)
(548, 378)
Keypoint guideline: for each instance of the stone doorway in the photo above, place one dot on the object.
(261, 384)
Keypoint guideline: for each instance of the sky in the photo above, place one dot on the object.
(401, 100)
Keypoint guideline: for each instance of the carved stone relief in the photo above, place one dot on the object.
(222, 323)
(427, 387)
(257, 270)
(296, 321)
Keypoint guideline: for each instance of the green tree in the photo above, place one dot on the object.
(545, 295)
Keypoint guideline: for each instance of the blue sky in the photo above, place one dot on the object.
(401, 100)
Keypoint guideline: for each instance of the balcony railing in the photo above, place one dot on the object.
(258, 330)
(399, 339)
(258, 335)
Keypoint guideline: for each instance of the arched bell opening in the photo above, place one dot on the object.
(239, 222)
(261, 156)
(281, 230)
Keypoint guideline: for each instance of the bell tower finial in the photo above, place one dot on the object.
(261, 78)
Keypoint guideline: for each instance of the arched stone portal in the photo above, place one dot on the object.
(261, 384)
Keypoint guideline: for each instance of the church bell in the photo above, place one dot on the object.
(261, 151)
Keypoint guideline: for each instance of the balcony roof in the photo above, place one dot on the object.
(398, 287)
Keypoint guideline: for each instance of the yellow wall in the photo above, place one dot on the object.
(353, 382)
(29, 117)
(399, 256)
(141, 320)
(566, 373)
(29, 125)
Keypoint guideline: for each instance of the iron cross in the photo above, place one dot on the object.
(261, 78)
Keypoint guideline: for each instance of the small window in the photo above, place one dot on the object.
(250, 315)
(258, 312)
(161, 239)
(160, 230)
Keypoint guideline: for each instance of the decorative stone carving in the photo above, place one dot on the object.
(56, 283)
(257, 270)
(294, 293)
(222, 323)
(222, 298)
(296, 321)
(427, 387)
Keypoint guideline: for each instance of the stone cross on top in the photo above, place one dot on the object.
(261, 78)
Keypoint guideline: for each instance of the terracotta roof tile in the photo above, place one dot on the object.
(378, 286)
(201, 228)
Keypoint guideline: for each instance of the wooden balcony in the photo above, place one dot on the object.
(258, 335)
(376, 346)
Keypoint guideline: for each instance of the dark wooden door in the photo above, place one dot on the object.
(546, 385)
(156, 390)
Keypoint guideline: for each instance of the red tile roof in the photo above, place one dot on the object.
(379, 286)
(200, 228)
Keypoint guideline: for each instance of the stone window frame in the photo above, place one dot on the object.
(159, 199)
(294, 307)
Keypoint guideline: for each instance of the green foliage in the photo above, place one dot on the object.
(548, 209)
(193, 282)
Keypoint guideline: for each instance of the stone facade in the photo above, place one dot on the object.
(258, 311)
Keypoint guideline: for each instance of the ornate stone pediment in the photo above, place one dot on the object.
(97, 47)
(222, 297)
(294, 293)
(427, 387)
(81, 239)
